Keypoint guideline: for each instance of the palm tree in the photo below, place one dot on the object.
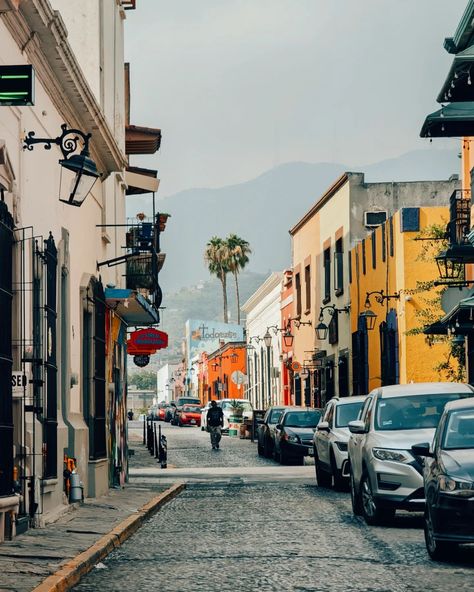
(238, 252)
(216, 256)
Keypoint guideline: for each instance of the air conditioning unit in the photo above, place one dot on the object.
(375, 218)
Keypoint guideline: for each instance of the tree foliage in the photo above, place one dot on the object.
(145, 380)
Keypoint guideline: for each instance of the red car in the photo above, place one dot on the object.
(161, 413)
(190, 415)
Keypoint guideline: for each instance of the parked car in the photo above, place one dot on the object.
(189, 415)
(294, 432)
(330, 441)
(384, 473)
(178, 406)
(161, 411)
(266, 430)
(448, 477)
(227, 409)
(169, 410)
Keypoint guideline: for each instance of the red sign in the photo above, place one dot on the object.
(146, 341)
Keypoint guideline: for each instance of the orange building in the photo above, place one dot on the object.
(216, 369)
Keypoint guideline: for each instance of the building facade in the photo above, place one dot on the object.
(321, 241)
(263, 312)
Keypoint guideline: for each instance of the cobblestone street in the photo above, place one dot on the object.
(268, 536)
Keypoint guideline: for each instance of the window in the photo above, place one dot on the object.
(307, 285)
(364, 263)
(384, 246)
(390, 228)
(339, 268)
(327, 274)
(298, 294)
(374, 249)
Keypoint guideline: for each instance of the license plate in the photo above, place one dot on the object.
(193, 421)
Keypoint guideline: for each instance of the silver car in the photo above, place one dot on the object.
(330, 441)
(384, 473)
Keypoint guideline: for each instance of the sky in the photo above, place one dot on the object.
(240, 86)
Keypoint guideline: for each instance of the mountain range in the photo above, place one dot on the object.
(263, 209)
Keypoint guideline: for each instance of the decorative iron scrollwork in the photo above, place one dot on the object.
(68, 141)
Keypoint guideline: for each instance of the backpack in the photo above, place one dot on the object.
(214, 416)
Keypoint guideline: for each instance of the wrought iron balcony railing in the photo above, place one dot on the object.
(459, 217)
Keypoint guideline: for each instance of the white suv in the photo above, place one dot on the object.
(330, 441)
(384, 473)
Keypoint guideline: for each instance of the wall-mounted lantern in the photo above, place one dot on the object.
(78, 171)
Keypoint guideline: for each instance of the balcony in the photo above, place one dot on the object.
(142, 270)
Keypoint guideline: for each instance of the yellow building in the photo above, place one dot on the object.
(389, 268)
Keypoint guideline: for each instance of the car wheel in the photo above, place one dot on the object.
(180, 423)
(437, 550)
(322, 477)
(283, 458)
(260, 449)
(372, 513)
(340, 484)
(355, 498)
(267, 449)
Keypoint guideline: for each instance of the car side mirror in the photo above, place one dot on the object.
(323, 426)
(357, 427)
(278, 426)
(422, 449)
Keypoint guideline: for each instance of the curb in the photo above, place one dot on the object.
(75, 569)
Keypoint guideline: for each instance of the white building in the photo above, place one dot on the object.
(263, 314)
(165, 381)
(63, 324)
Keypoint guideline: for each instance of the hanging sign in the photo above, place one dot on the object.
(19, 381)
(17, 85)
(146, 341)
(141, 360)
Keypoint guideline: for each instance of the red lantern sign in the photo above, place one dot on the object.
(146, 342)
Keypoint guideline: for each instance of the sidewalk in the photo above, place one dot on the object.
(27, 560)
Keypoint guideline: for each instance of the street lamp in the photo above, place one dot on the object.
(288, 338)
(267, 338)
(449, 268)
(78, 171)
(370, 318)
(321, 328)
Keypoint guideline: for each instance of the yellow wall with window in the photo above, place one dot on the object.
(407, 261)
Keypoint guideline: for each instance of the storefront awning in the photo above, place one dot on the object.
(460, 319)
(454, 120)
(142, 140)
(141, 180)
(134, 309)
(459, 82)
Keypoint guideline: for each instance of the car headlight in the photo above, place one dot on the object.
(342, 446)
(401, 456)
(292, 438)
(457, 487)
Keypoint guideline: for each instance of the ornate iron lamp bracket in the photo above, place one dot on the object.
(68, 141)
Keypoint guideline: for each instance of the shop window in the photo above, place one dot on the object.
(343, 376)
(327, 275)
(307, 285)
(339, 268)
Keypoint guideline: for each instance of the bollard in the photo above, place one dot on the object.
(155, 441)
(144, 430)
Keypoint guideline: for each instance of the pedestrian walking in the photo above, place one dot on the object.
(215, 421)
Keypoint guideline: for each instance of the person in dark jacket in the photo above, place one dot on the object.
(215, 421)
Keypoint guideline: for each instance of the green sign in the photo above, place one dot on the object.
(17, 85)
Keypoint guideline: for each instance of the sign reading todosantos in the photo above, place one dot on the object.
(205, 336)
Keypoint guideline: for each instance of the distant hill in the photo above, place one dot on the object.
(201, 301)
(263, 209)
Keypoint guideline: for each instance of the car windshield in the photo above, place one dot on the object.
(346, 413)
(412, 412)
(459, 432)
(275, 415)
(302, 419)
(192, 409)
(184, 401)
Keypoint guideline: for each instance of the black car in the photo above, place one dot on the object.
(449, 480)
(293, 438)
(266, 430)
